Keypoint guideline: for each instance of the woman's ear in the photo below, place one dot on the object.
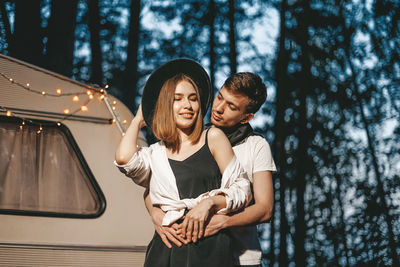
(247, 117)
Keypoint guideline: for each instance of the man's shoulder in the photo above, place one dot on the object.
(254, 140)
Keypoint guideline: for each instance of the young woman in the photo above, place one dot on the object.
(193, 172)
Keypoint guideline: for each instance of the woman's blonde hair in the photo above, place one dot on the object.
(164, 125)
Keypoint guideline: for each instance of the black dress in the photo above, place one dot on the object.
(197, 174)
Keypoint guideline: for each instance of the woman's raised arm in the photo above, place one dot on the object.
(128, 145)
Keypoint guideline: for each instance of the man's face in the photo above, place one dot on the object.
(229, 109)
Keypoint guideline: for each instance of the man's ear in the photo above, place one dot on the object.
(247, 117)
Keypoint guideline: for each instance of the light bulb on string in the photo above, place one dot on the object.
(8, 113)
(91, 97)
(27, 85)
(89, 92)
(114, 102)
(84, 108)
(43, 93)
(59, 91)
(75, 98)
(66, 111)
(58, 124)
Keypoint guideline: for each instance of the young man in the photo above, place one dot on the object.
(239, 99)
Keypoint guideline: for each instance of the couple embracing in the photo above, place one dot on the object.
(208, 187)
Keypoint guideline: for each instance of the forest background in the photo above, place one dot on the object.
(332, 114)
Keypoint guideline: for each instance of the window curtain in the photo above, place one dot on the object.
(41, 172)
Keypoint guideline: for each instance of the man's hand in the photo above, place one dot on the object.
(167, 233)
(192, 227)
(217, 223)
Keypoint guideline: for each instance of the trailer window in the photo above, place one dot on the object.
(43, 173)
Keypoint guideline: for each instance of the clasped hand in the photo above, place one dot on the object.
(192, 227)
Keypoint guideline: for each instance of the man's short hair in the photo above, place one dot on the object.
(250, 85)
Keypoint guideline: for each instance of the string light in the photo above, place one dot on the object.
(124, 122)
(58, 92)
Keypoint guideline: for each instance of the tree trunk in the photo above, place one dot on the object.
(94, 29)
(343, 236)
(301, 159)
(28, 44)
(6, 24)
(280, 137)
(131, 69)
(61, 37)
(211, 15)
(232, 37)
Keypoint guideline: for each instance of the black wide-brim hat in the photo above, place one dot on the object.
(168, 70)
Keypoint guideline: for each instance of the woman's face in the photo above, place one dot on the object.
(186, 105)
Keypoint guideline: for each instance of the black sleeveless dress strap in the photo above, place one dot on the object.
(197, 174)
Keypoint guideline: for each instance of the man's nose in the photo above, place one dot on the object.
(219, 107)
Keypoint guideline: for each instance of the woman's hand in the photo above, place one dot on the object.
(139, 117)
(192, 227)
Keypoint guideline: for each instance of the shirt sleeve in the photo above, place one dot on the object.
(235, 185)
(138, 167)
(263, 160)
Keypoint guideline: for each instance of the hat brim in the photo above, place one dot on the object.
(168, 70)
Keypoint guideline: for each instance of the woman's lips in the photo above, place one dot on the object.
(187, 115)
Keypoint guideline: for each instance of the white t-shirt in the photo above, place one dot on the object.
(254, 155)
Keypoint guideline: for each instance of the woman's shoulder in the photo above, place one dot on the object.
(216, 136)
(215, 133)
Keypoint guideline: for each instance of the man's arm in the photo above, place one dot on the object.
(167, 233)
(259, 212)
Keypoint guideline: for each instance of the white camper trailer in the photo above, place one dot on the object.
(62, 200)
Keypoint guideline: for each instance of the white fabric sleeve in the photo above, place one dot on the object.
(138, 167)
(263, 160)
(235, 185)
